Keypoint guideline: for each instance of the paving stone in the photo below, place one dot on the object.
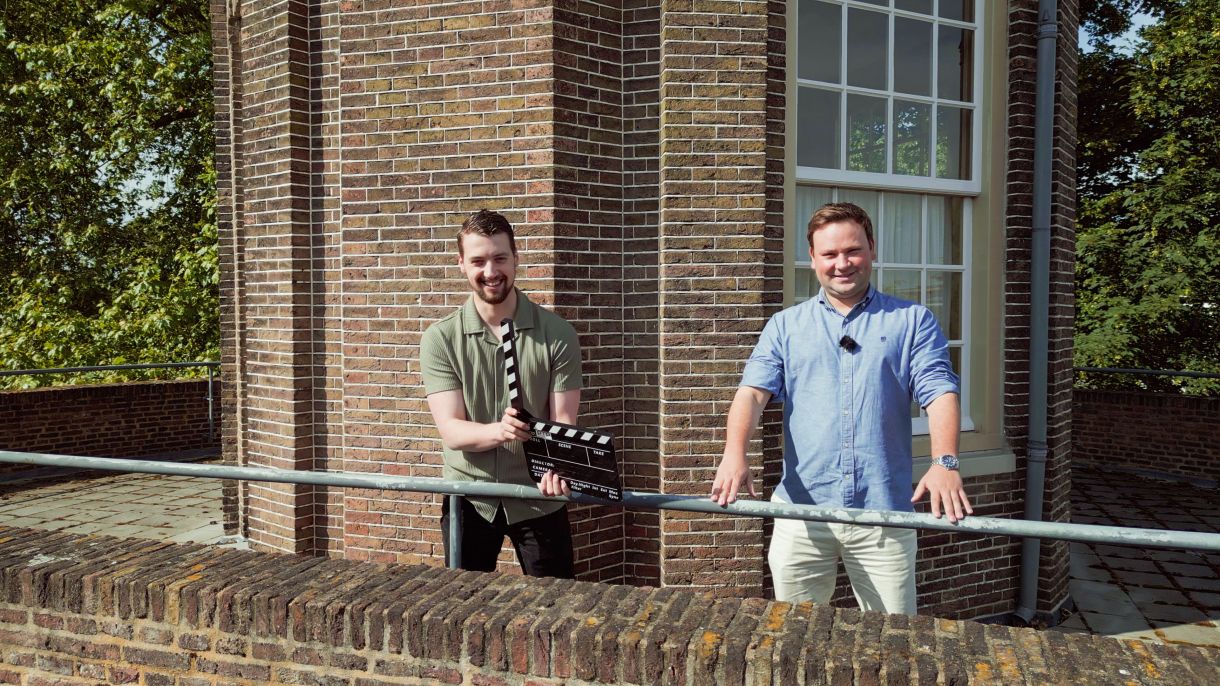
(1136, 523)
(1172, 613)
(1084, 572)
(1075, 623)
(1188, 633)
(1119, 626)
(1100, 597)
(1180, 570)
(1131, 564)
(1120, 551)
(1211, 584)
(1205, 599)
(1148, 596)
(1142, 579)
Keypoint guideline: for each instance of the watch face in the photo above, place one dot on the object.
(947, 461)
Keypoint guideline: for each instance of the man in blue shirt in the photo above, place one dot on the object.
(846, 364)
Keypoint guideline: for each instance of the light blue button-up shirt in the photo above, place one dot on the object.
(847, 417)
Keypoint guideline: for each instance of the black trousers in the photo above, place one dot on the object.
(543, 544)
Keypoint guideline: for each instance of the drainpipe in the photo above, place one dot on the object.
(1039, 298)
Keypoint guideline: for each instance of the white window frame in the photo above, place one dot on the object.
(968, 189)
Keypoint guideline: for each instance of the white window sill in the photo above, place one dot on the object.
(973, 464)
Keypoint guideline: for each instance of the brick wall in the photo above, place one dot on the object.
(188, 614)
(716, 251)
(1155, 432)
(140, 419)
(227, 122)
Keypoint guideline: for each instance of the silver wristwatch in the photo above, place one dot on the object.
(947, 461)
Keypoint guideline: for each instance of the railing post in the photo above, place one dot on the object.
(211, 406)
(455, 532)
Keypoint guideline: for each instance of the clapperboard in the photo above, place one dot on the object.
(584, 457)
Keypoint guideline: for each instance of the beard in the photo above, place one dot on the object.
(497, 295)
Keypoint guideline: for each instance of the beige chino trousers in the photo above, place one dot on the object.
(880, 563)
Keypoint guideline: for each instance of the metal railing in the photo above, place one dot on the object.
(985, 526)
(211, 367)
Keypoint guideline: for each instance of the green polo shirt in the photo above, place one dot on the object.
(460, 352)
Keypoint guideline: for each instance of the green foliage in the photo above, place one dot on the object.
(1148, 241)
(107, 184)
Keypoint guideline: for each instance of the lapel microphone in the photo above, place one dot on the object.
(848, 343)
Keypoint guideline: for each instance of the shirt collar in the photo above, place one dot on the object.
(523, 318)
(864, 302)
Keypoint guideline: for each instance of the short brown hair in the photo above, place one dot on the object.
(833, 212)
(487, 223)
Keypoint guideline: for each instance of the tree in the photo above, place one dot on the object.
(107, 184)
(1148, 239)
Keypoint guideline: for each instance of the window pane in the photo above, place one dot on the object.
(912, 56)
(819, 34)
(953, 142)
(867, 48)
(806, 286)
(955, 60)
(962, 10)
(883, 3)
(867, 200)
(921, 6)
(900, 228)
(945, 301)
(808, 200)
(903, 283)
(817, 140)
(912, 138)
(866, 133)
(945, 216)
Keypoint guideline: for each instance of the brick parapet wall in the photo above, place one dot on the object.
(1154, 432)
(188, 614)
(139, 419)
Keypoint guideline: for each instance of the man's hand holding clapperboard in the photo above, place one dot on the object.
(583, 457)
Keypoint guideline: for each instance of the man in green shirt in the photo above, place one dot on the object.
(463, 368)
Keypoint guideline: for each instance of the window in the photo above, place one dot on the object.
(887, 117)
(885, 92)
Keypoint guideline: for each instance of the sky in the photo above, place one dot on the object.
(1125, 42)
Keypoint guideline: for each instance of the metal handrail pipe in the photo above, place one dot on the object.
(988, 526)
(106, 368)
(1149, 372)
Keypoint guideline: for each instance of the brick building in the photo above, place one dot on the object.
(657, 158)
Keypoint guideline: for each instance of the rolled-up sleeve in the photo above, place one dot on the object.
(435, 364)
(565, 360)
(765, 368)
(932, 373)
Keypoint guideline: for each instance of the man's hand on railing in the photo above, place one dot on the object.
(732, 474)
(944, 489)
